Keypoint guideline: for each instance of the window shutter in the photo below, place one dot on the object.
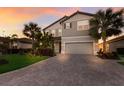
(64, 25)
(70, 25)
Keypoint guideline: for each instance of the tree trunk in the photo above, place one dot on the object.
(104, 40)
(104, 45)
(33, 45)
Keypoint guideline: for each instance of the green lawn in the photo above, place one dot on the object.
(17, 61)
(121, 59)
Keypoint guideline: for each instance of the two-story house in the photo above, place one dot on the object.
(74, 34)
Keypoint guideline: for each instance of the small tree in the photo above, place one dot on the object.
(44, 43)
(38, 37)
(47, 40)
(105, 24)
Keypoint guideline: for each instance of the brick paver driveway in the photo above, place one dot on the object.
(67, 70)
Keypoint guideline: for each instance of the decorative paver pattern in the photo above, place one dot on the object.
(67, 70)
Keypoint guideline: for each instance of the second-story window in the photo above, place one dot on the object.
(60, 32)
(82, 25)
(53, 32)
(67, 25)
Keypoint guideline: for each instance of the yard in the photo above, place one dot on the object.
(121, 59)
(16, 61)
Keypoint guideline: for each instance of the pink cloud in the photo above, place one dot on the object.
(10, 18)
(17, 15)
(117, 8)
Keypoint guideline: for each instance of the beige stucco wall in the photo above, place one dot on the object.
(73, 30)
(72, 35)
(55, 27)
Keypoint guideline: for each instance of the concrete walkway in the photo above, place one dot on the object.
(67, 70)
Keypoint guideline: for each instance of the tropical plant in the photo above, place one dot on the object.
(47, 40)
(44, 43)
(31, 30)
(14, 36)
(38, 37)
(106, 23)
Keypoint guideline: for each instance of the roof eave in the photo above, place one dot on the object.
(78, 12)
(55, 22)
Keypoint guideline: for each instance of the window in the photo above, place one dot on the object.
(83, 25)
(67, 25)
(53, 32)
(60, 32)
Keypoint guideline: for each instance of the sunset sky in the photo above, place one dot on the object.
(12, 20)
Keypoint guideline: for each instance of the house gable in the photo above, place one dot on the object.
(56, 26)
(73, 19)
(78, 17)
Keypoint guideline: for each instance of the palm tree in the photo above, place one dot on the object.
(106, 23)
(30, 30)
(14, 36)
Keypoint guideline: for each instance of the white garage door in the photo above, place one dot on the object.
(79, 48)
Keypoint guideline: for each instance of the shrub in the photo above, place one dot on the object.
(18, 51)
(45, 52)
(112, 55)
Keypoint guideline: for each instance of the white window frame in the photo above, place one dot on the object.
(82, 23)
(53, 32)
(69, 26)
(60, 32)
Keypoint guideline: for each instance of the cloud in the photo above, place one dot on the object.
(117, 8)
(12, 17)
(19, 15)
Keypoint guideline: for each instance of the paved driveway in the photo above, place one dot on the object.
(67, 70)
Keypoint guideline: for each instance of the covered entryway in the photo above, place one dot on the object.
(79, 48)
(57, 45)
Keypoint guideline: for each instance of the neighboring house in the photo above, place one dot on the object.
(113, 42)
(74, 35)
(4, 40)
(4, 44)
(25, 43)
(22, 43)
(19, 43)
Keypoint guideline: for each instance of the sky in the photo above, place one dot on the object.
(12, 19)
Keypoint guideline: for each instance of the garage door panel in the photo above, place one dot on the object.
(79, 48)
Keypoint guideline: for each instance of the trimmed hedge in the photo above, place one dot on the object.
(41, 52)
(45, 52)
(18, 51)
